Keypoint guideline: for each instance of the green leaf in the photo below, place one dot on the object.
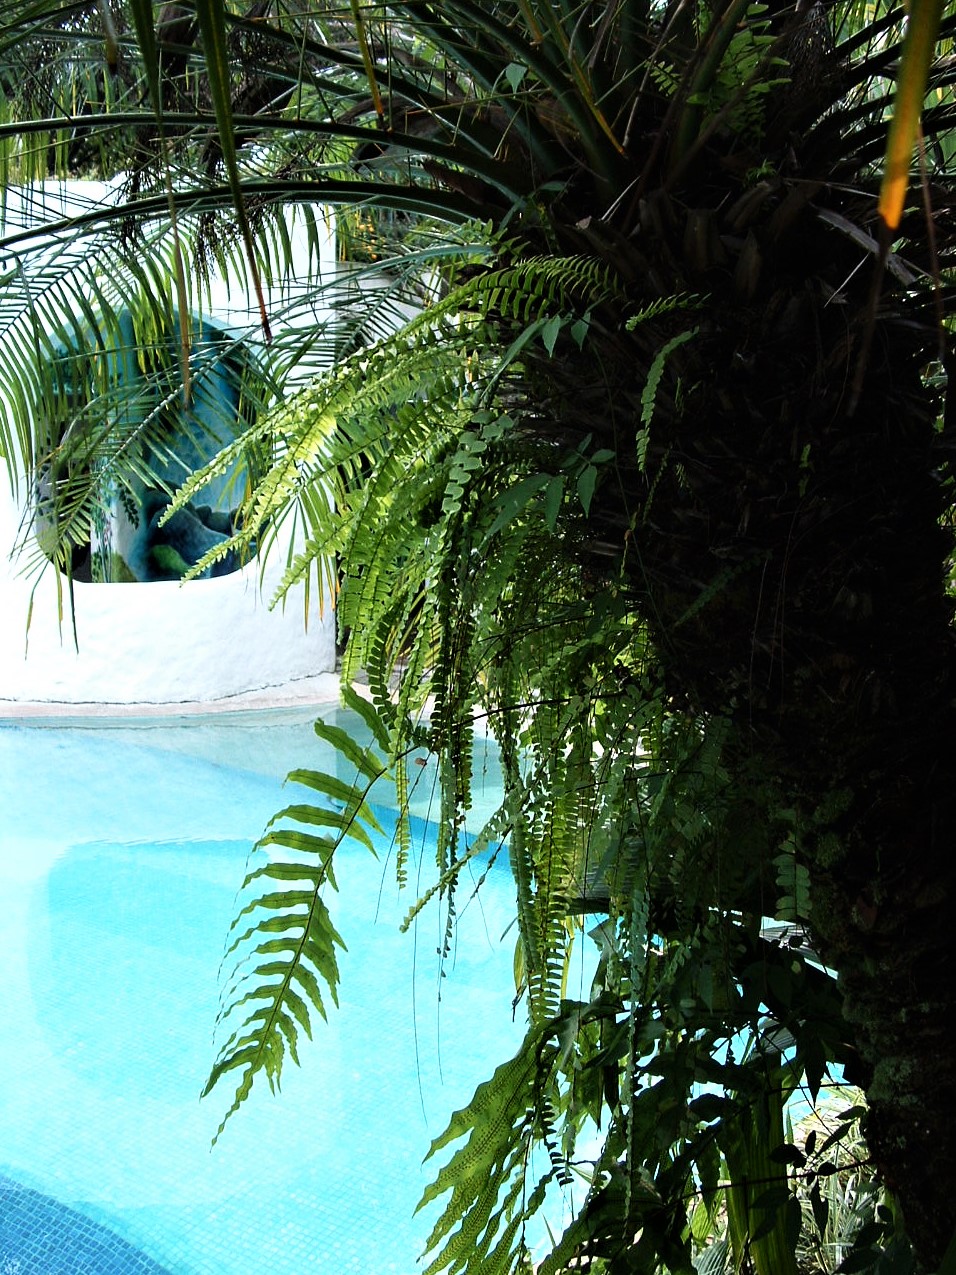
(587, 480)
(363, 759)
(701, 1224)
(344, 821)
(514, 73)
(350, 795)
(490, 1165)
(291, 927)
(553, 499)
(656, 371)
(516, 500)
(369, 714)
(579, 330)
(212, 25)
(550, 331)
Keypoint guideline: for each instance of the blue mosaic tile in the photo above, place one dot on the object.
(41, 1236)
(120, 856)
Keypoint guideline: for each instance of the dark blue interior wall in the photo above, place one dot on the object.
(175, 433)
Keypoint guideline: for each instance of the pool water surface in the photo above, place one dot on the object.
(121, 852)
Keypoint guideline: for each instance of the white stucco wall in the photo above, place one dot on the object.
(158, 643)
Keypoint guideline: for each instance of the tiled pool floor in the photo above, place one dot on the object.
(38, 1233)
(119, 864)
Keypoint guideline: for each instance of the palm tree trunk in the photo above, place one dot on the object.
(884, 919)
(816, 537)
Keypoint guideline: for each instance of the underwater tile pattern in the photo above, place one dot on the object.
(120, 859)
(40, 1236)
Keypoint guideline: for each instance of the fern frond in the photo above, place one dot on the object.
(283, 942)
(489, 1169)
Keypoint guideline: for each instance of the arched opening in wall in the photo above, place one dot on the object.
(124, 420)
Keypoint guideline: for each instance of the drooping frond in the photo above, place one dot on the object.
(486, 1178)
(608, 496)
(283, 942)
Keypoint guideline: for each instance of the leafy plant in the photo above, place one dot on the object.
(653, 486)
(460, 586)
(283, 941)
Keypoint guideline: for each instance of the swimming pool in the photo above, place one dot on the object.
(122, 847)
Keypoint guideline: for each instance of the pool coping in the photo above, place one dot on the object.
(321, 688)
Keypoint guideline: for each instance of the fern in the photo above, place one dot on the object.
(649, 393)
(283, 942)
(457, 524)
(479, 1229)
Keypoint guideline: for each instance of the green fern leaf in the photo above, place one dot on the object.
(345, 821)
(349, 795)
(283, 943)
(369, 713)
(363, 759)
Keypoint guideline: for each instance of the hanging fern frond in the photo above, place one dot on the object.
(283, 942)
(465, 588)
(481, 1227)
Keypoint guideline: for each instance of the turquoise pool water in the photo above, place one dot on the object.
(121, 851)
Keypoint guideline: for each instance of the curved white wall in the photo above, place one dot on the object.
(159, 643)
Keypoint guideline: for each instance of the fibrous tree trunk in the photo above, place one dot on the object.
(784, 522)
(816, 525)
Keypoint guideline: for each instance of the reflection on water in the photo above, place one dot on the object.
(121, 852)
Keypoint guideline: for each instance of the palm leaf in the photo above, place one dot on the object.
(918, 49)
(213, 27)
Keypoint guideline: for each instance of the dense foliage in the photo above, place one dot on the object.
(655, 487)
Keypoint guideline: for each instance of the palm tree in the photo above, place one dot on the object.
(674, 470)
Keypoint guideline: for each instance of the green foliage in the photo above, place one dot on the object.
(763, 1214)
(747, 74)
(850, 1221)
(419, 462)
(283, 943)
(593, 496)
(487, 1178)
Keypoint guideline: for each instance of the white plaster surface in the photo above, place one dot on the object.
(161, 645)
